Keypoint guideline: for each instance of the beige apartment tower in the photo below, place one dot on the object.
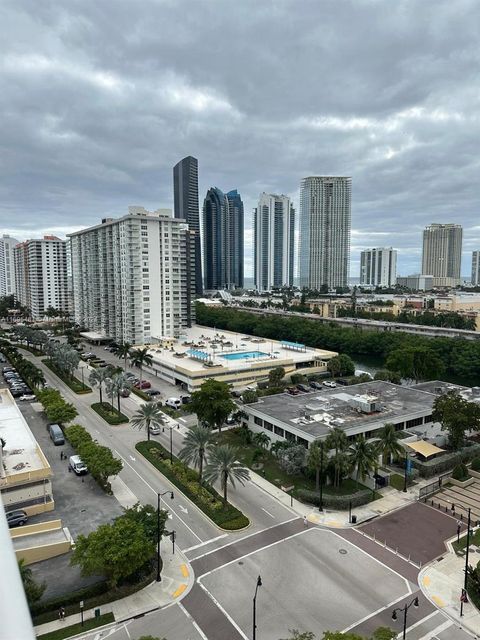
(442, 254)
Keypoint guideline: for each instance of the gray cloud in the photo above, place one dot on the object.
(99, 100)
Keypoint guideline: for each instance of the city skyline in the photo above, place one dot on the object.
(395, 111)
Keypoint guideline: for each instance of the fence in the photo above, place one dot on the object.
(428, 489)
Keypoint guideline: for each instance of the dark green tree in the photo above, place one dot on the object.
(416, 363)
(341, 365)
(146, 516)
(276, 376)
(212, 404)
(457, 416)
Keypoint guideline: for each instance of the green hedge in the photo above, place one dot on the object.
(335, 501)
(186, 479)
(73, 383)
(32, 350)
(446, 462)
(93, 596)
(109, 413)
(460, 473)
(71, 630)
(140, 394)
(475, 464)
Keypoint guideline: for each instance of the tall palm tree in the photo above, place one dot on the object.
(148, 415)
(97, 378)
(195, 445)
(223, 465)
(122, 351)
(261, 440)
(388, 444)
(337, 440)
(363, 456)
(139, 358)
(317, 459)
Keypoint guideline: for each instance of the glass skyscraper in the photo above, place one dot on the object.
(223, 239)
(325, 220)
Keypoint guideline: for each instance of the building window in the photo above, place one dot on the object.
(279, 432)
(267, 425)
(289, 436)
(258, 421)
(414, 422)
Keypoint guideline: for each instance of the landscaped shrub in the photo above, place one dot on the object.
(475, 464)
(109, 413)
(186, 479)
(72, 382)
(330, 501)
(460, 472)
(446, 462)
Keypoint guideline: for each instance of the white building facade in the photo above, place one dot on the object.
(132, 276)
(41, 275)
(442, 253)
(325, 223)
(7, 265)
(476, 268)
(274, 242)
(378, 267)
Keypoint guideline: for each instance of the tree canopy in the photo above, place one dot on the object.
(417, 363)
(212, 403)
(456, 416)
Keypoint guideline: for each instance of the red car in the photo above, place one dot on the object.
(143, 384)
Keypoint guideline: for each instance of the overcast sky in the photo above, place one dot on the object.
(100, 98)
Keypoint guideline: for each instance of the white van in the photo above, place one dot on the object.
(174, 403)
(77, 465)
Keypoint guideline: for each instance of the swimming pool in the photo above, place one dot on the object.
(244, 355)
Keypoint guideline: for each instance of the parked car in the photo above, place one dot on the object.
(315, 385)
(131, 376)
(77, 465)
(329, 383)
(304, 387)
(186, 399)
(16, 393)
(16, 518)
(152, 392)
(28, 397)
(293, 391)
(56, 434)
(142, 384)
(154, 430)
(125, 393)
(174, 403)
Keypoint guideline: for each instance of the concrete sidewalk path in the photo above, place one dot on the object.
(177, 580)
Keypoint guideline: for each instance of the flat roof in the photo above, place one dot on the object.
(94, 335)
(21, 453)
(316, 413)
(198, 344)
(439, 387)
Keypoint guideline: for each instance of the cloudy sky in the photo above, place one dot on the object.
(100, 98)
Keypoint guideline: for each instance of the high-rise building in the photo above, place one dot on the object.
(442, 253)
(476, 268)
(325, 219)
(41, 275)
(223, 239)
(130, 276)
(7, 265)
(378, 267)
(185, 197)
(274, 241)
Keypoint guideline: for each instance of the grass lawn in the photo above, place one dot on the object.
(109, 413)
(74, 383)
(66, 632)
(474, 540)
(276, 475)
(397, 481)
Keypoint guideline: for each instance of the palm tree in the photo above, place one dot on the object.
(98, 377)
(148, 415)
(363, 456)
(139, 358)
(33, 590)
(123, 351)
(317, 459)
(337, 440)
(195, 446)
(223, 464)
(388, 444)
(261, 440)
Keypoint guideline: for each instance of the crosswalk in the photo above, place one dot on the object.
(436, 626)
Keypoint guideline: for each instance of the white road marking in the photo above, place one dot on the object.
(227, 615)
(417, 624)
(132, 458)
(374, 613)
(182, 508)
(156, 493)
(267, 512)
(244, 538)
(442, 627)
(126, 630)
(200, 632)
(203, 544)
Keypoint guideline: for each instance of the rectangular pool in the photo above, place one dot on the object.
(244, 355)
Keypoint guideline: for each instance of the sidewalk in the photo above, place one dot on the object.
(177, 580)
(391, 500)
(442, 582)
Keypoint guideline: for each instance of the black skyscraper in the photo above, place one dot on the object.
(223, 239)
(185, 197)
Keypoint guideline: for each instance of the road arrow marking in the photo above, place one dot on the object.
(182, 508)
(132, 458)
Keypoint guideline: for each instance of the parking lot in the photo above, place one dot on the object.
(307, 584)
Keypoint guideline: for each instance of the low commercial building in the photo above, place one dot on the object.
(417, 282)
(358, 409)
(202, 353)
(25, 474)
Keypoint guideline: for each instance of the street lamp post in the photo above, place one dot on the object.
(171, 446)
(81, 612)
(463, 597)
(159, 497)
(321, 444)
(406, 469)
(405, 608)
(259, 584)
